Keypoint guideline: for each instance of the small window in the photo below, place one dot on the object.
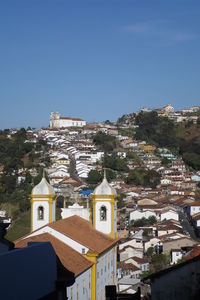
(71, 293)
(40, 213)
(103, 213)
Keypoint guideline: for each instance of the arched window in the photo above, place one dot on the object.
(103, 213)
(40, 213)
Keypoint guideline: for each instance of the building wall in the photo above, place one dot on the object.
(151, 243)
(194, 210)
(81, 289)
(177, 244)
(81, 212)
(183, 283)
(57, 122)
(175, 256)
(28, 273)
(130, 252)
(106, 272)
(169, 215)
(135, 243)
(135, 215)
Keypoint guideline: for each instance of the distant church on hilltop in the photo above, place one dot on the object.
(56, 121)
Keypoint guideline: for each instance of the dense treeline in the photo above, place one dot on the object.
(157, 130)
(106, 142)
(16, 152)
(143, 177)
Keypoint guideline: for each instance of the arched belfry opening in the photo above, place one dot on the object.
(40, 213)
(103, 213)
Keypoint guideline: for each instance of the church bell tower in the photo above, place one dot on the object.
(43, 204)
(105, 209)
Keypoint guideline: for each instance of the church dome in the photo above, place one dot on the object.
(43, 188)
(104, 188)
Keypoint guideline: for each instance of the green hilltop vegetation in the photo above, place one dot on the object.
(18, 152)
(182, 138)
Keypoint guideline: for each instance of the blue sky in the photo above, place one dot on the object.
(96, 59)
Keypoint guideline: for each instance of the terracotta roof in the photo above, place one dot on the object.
(129, 266)
(193, 253)
(195, 203)
(138, 260)
(73, 119)
(169, 227)
(82, 232)
(71, 259)
(196, 217)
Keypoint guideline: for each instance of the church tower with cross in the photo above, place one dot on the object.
(43, 204)
(105, 208)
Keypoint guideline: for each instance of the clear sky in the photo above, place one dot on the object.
(96, 59)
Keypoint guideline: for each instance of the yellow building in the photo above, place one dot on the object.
(148, 148)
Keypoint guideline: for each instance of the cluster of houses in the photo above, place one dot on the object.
(184, 115)
(173, 205)
(167, 235)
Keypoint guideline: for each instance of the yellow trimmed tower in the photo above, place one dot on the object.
(43, 204)
(105, 209)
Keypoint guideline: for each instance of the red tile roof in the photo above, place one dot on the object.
(82, 231)
(71, 259)
(193, 253)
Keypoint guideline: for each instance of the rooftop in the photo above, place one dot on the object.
(83, 232)
(71, 259)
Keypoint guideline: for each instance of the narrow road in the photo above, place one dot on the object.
(187, 227)
(72, 169)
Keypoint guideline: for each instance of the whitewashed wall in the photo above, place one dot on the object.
(81, 289)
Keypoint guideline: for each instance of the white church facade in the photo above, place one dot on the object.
(57, 121)
(87, 249)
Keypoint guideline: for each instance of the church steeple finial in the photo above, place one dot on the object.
(104, 173)
(43, 174)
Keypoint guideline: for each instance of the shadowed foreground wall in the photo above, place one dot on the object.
(28, 273)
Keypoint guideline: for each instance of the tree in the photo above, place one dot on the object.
(159, 262)
(152, 220)
(115, 163)
(110, 175)
(140, 176)
(165, 161)
(106, 142)
(157, 130)
(150, 251)
(94, 177)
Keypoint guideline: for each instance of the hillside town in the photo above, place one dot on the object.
(157, 221)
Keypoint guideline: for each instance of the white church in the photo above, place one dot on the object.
(57, 121)
(88, 249)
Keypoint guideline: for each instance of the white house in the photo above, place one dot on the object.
(193, 208)
(168, 215)
(138, 214)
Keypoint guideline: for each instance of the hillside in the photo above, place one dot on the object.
(182, 138)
